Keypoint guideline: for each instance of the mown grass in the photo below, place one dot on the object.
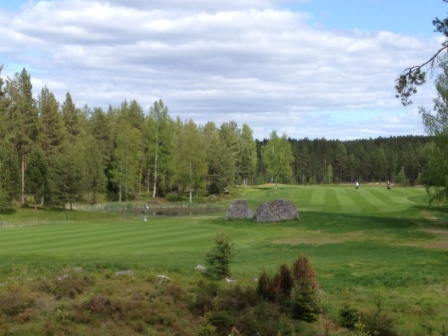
(372, 241)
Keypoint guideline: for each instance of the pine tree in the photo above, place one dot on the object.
(401, 177)
(219, 257)
(52, 137)
(36, 174)
(305, 295)
(69, 167)
(221, 169)
(22, 119)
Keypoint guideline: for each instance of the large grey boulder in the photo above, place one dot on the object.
(239, 209)
(275, 211)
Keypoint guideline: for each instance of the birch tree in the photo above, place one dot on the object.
(126, 159)
(247, 154)
(191, 165)
(277, 157)
(160, 137)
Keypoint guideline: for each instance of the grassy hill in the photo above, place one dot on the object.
(386, 248)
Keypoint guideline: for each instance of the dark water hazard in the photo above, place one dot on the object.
(172, 212)
(150, 210)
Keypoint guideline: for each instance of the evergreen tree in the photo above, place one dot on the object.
(9, 170)
(221, 169)
(71, 116)
(341, 159)
(305, 296)
(219, 257)
(93, 173)
(52, 137)
(36, 174)
(401, 177)
(22, 119)
(101, 128)
(436, 124)
(69, 167)
(5, 201)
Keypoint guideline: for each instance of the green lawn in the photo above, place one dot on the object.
(372, 241)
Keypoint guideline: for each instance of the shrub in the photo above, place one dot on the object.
(378, 322)
(348, 316)
(296, 290)
(5, 201)
(206, 330)
(305, 298)
(67, 285)
(219, 257)
(14, 303)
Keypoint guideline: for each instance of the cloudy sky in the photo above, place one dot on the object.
(307, 68)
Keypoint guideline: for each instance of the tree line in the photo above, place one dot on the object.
(59, 153)
(401, 160)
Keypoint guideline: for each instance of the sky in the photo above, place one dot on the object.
(304, 68)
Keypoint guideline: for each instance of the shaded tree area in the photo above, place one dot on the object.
(58, 153)
(364, 160)
(55, 154)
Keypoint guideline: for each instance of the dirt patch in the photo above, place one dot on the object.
(440, 240)
(317, 238)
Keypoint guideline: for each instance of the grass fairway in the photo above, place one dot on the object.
(374, 242)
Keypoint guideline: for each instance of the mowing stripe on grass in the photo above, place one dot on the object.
(123, 237)
(332, 203)
(361, 200)
(317, 201)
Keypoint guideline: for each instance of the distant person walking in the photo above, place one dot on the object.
(388, 185)
(357, 185)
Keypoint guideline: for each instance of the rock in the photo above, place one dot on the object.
(163, 278)
(127, 272)
(201, 268)
(239, 209)
(63, 277)
(275, 211)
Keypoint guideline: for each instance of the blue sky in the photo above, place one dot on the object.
(399, 16)
(307, 68)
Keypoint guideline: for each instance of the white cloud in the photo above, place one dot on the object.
(250, 61)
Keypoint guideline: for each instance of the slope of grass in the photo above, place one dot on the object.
(376, 242)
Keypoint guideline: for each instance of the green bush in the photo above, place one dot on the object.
(219, 257)
(348, 316)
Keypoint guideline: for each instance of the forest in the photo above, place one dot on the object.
(57, 153)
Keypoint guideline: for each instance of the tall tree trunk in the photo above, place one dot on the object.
(154, 191)
(23, 178)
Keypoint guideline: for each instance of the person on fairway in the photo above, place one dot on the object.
(357, 185)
